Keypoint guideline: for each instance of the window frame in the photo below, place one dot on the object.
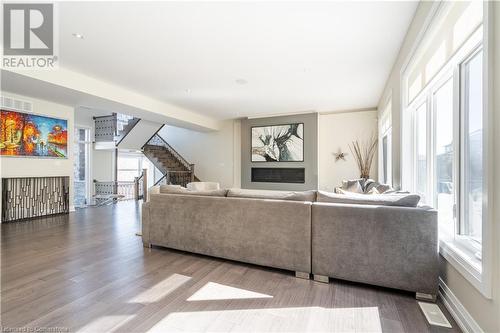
(467, 241)
(457, 251)
(138, 156)
(386, 172)
(88, 153)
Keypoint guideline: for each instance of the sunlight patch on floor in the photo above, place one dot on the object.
(300, 319)
(104, 323)
(216, 291)
(161, 289)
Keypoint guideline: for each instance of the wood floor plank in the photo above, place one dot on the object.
(88, 272)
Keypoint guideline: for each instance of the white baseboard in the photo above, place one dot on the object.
(457, 310)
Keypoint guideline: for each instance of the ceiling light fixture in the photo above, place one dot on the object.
(77, 35)
(241, 81)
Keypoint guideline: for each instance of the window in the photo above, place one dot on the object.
(421, 152)
(129, 166)
(81, 166)
(385, 158)
(443, 122)
(472, 163)
(444, 156)
(385, 144)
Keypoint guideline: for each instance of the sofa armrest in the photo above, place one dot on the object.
(146, 224)
(389, 246)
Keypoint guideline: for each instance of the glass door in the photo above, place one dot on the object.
(81, 167)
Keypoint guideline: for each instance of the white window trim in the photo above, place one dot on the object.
(382, 116)
(479, 276)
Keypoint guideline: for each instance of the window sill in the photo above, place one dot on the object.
(465, 263)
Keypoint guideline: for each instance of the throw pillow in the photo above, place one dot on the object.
(403, 200)
(277, 195)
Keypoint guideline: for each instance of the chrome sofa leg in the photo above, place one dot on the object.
(148, 245)
(321, 278)
(302, 275)
(426, 297)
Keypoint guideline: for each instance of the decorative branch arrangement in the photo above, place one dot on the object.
(363, 154)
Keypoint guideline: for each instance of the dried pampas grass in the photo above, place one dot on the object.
(363, 154)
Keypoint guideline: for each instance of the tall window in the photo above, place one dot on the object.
(472, 163)
(81, 166)
(444, 156)
(421, 152)
(443, 137)
(385, 144)
(445, 125)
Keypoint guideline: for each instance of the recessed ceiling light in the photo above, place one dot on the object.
(241, 81)
(76, 35)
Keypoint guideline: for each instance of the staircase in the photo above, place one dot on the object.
(124, 125)
(113, 128)
(175, 169)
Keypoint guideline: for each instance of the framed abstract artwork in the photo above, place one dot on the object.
(31, 135)
(278, 143)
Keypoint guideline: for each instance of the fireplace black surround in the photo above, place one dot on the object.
(279, 175)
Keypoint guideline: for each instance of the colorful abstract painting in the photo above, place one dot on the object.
(24, 134)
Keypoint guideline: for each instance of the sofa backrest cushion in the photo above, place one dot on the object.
(174, 189)
(203, 186)
(167, 188)
(403, 200)
(277, 195)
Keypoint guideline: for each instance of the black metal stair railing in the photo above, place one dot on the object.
(113, 128)
(157, 140)
(177, 177)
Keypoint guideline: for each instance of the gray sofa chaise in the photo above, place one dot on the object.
(274, 233)
(379, 243)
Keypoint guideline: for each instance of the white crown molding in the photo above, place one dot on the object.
(457, 310)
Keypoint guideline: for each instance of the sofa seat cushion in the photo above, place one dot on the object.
(277, 195)
(402, 200)
(175, 189)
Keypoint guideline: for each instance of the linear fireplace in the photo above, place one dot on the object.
(279, 175)
(29, 197)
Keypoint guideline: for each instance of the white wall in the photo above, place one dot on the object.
(139, 135)
(216, 154)
(336, 131)
(40, 167)
(102, 165)
(485, 312)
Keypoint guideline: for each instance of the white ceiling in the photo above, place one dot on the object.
(295, 56)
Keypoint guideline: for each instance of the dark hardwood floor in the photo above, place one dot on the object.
(87, 271)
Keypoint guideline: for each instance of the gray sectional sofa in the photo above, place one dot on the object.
(377, 242)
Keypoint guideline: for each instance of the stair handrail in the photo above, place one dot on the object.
(141, 185)
(167, 176)
(154, 139)
(120, 136)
